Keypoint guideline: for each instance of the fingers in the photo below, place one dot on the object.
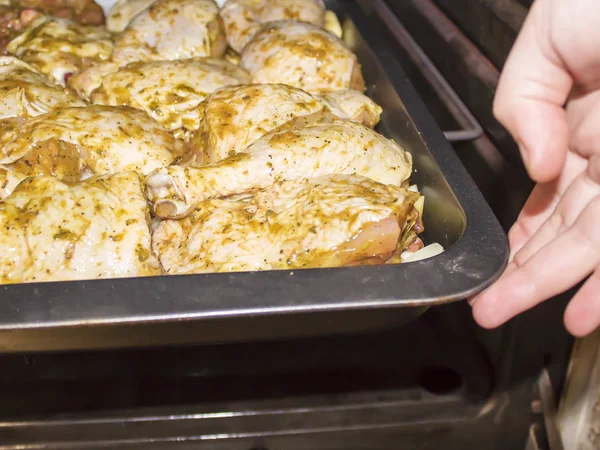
(556, 267)
(581, 192)
(583, 313)
(539, 206)
(531, 93)
(542, 203)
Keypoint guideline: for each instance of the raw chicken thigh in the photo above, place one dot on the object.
(236, 116)
(333, 220)
(59, 47)
(98, 228)
(244, 18)
(343, 147)
(74, 143)
(172, 29)
(168, 91)
(86, 12)
(123, 11)
(352, 105)
(16, 15)
(9, 180)
(24, 92)
(302, 55)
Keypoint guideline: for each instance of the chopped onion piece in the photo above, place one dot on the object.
(332, 24)
(426, 252)
(420, 205)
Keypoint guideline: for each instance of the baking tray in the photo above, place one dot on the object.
(278, 304)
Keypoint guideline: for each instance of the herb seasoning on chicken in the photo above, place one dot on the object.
(98, 228)
(334, 220)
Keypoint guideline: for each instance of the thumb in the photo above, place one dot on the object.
(531, 94)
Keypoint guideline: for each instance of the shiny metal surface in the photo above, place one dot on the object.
(471, 128)
(239, 306)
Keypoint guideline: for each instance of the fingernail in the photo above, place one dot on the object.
(526, 156)
(473, 300)
(511, 256)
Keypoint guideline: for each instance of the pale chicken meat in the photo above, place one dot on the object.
(168, 91)
(9, 180)
(353, 105)
(234, 117)
(98, 228)
(58, 48)
(24, 92)
(86, 12)
(16, 15)
(75, 143)
(244, 18)
(123, 11)
(338, 146)
(302, 55)
(84, 82)
(170, 30)
(333, 220)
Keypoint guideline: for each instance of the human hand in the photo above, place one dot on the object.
(555, 242)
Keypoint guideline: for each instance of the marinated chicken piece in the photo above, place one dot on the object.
(172, 29)
(302, 55)
(13, 21)
(24, 92)
(9, 180)
(85, 12)
(168, 91)
(232, 56)
(123, 11)
(84, 82)
(74, 143)
(98, 228)
(343, 147)
(352, 105)
(333, 220)
(59, 47)
(16, 15)
(236, 116)
(244, 18)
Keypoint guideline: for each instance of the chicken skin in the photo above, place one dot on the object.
(98, 228)
(168, 91)
(75, 143)
(59, 48)
(234, 117)
(170, 30)
(244, 18)
(86, 12)
(24, 92)
(123, 11)
(9, 180)
(333, 220)
(301, 55)
(338, 146)
(16, 15)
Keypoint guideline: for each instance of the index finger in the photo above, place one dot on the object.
(532, 91)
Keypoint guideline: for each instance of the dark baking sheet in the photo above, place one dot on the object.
(276, 304)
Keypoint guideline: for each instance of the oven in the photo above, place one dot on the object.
(434, 381)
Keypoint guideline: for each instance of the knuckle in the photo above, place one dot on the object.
(517, 233)
(557, 220)
(587, 233)
(520, 259)
(593, 169)
(500, 109)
